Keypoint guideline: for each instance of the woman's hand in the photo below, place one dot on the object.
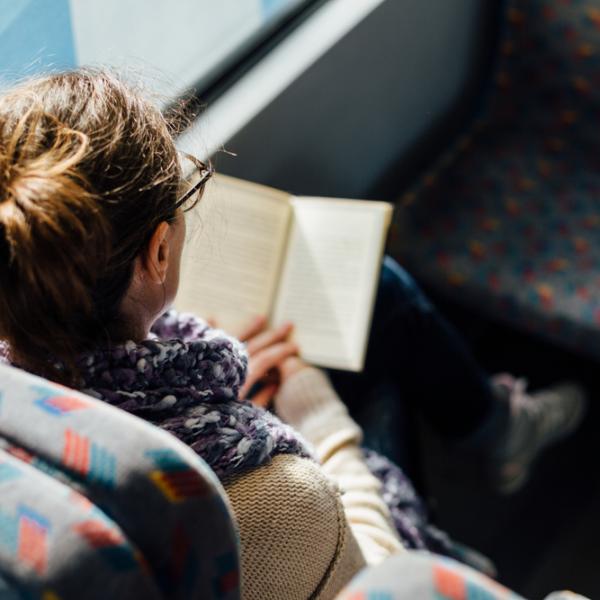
(272, 359)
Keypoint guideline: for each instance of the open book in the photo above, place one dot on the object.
(253, 250)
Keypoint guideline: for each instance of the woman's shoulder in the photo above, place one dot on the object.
(295, 539)
(287, 480)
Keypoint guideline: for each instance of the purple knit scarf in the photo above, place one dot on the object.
(186, 379)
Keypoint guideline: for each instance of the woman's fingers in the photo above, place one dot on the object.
(268, 338)
(265, 396)
(252, 329)
(265, 360)
(271, 357)
(267, 350)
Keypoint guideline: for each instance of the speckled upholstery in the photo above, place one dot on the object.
(509, 220)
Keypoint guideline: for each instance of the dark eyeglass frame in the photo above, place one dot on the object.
(205, 172)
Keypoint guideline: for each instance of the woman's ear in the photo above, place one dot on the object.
(155, 257)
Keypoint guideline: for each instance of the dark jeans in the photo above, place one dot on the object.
(415, 362)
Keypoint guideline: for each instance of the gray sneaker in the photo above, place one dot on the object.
(536, 420)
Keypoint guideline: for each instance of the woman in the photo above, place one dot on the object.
(91, 233)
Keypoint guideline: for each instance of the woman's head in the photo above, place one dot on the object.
(90, 234)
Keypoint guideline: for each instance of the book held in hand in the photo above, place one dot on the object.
(254, 250)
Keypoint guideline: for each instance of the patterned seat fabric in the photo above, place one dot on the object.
(426, 577)
(95, 503)
(509, 221)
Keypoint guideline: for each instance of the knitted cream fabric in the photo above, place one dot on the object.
(295, 540)
(299, 538)
(309, 403)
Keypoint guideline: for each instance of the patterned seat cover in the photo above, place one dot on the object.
(424, 576)
(509, 220)
(95, 503)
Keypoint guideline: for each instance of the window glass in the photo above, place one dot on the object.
(173, 44)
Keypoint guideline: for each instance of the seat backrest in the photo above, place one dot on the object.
(546, 73)
(425, 576)
(96, 503)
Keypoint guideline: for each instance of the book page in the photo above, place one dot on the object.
(330, 277)
(236, 239)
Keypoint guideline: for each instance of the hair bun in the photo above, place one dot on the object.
(47, 211)
(40, 180)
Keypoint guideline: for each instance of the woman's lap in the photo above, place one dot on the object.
(415, 361)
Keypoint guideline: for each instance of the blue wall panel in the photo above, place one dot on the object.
(35, 36)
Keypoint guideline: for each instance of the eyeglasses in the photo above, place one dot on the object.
(196, 169)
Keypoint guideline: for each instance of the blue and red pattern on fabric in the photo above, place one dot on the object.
(175, 478)
(33, 538)
(58, 404)
(509, 221)
(424, 576)
(78, 503)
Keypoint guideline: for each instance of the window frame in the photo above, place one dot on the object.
(223, 75)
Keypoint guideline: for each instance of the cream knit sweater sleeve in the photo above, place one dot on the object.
(299, 538)
(308, 402)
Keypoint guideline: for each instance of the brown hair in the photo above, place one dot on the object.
(88, 169)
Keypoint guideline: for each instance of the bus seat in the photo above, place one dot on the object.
(424, 576)
(429, 577)
(508, 220)
(95, 503)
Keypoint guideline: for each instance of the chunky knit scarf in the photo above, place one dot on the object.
(186, 380)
